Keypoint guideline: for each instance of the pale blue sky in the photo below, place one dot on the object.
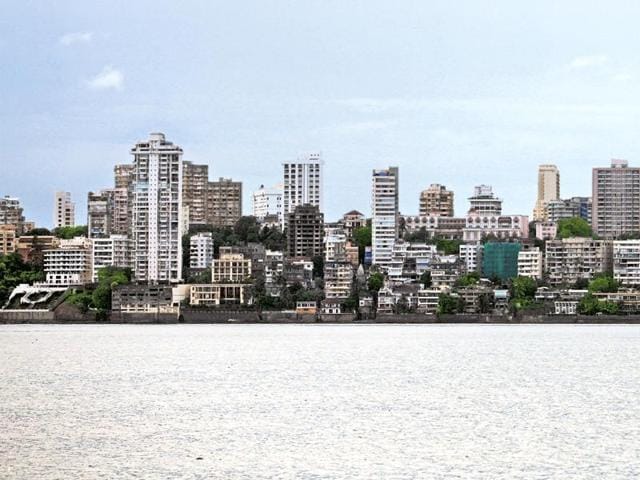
(459, 93)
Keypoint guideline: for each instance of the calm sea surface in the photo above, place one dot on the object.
(319, 401)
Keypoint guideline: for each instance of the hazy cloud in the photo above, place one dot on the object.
(109, 77)
(588, 61)
(76, 37)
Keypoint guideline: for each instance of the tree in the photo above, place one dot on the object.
(573, 227)
(581, 284)
(449, 304)
(468, 279)
(523, 288)
(247, 229)
(425, 279)
(588, 305)
(318, 266)
(376, 281)
(13, 272)
(362, 237)
(108, 278)
(448, 247)
(68, 233)
(603, 283)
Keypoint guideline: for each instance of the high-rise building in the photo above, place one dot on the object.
(157, 209)
(268, 203)
(385, 215)
(64, 210)
(306, 232)
(223, 206)
(123, 176)
(194, 191)
(99, 208)
(548, 190)
(436, 200)
(302, 184)
(616, 199)
(484, 202)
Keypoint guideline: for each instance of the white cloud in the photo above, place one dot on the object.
(109, 77)
(76, 37)
(588, 61)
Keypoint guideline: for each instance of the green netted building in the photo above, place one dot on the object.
(500, 260)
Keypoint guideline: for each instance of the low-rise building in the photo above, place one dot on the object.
(143, 299)
(338, 279)
(503, 227)
(435, 226)
(571, 259)
(471, 255)
(476, 299)
(307, 307)
(230, 267)
(428, 299)
(546, 230)
(216, 294)
(298, 271)
(530, 263)
(626, 262)
(353, 220)
(113, 251)
(201, 250)
(70, 263)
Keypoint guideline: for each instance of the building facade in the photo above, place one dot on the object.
(194, 191)
(305, 232)
(571, 259)
(616, 200)
(548, 190)
(384, 215)
(484, 202)
(530, 263)
(302, 184)
(267, 203)
(223, 202)
(201, 250)
(436, 200)
(157, 210)
(500, 260)
(69, 263)
(64, 210)
(112, 251)
(626, 262)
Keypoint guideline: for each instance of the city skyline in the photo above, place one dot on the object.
(489, 92)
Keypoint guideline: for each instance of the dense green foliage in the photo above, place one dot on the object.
(14, 271)
(573, 227)
(100, 297)
(603, 283)
(376, 281)
(468, 279)
(523, 291)
(590, 305)
(449, 304)
(68, 233)
(425, 279)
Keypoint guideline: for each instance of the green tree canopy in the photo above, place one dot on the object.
(376, 281)
(573, 227)
(425, 279)
(603, 283)
(68, 233)
(449, 304)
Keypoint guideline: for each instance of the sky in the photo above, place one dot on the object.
(458, 93)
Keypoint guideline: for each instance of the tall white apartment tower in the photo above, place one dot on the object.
(64, 210)
(302, 184)
(157, 210)
(384, 222)
(548, 190)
